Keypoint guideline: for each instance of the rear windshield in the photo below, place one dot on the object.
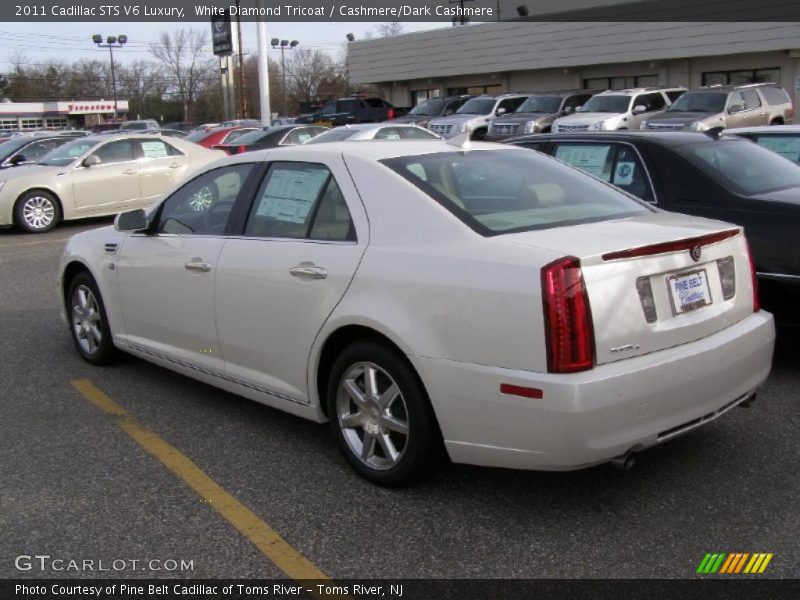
(197, 136)
(251, 137)
(743, 166)
(334, 135)
(611, 104)
(541, 104)
(506, 191)
(477, 106)
(705, 102)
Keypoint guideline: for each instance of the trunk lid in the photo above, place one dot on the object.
(622, 259)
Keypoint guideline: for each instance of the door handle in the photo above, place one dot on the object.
(174, 165)
(308, 271)
(196, 265)
(129, 172)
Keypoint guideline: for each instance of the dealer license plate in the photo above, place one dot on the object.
(689, 291)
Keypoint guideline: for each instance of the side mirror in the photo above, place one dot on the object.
(579, 108)
(17, 160)
(500, 111)
(568, 110)
(91, 161)
(639, 109)
(133, 220)
(735, 108)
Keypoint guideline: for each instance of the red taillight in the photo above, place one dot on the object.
(567, 317)
(240, 149)
(756, 299)
(390, 114)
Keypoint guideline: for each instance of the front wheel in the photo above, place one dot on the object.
(380, 415)
(37, 211)
(479, 135)
(88, 321)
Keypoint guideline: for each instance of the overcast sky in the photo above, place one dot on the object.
(71, 41)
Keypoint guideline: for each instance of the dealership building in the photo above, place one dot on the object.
(75, 114)
(534, 56)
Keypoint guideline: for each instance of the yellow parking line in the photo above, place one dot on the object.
(266, 539)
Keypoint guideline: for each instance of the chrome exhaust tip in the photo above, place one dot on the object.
(624, 462)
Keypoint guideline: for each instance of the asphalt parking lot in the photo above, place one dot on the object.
(76, 486)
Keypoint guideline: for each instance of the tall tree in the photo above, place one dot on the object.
(182, 54)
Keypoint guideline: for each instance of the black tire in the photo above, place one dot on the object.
(479, 135)
(776, 122)
(419, 450)
(37, 211)
(92, 350)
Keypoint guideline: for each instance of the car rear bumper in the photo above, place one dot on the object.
(589, 418)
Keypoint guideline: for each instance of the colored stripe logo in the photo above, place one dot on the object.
(734, 563)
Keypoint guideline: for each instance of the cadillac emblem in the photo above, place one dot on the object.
(695, 253)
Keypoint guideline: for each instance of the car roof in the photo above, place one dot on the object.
(371, 149)
(665, 138)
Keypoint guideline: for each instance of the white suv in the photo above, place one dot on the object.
(618, 109)
(475, 115)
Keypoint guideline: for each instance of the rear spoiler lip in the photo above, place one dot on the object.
(672, 246)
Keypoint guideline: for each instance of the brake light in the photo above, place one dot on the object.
(756, 299)
(240, 149)
(569, 332)
(390, 114)
(676, 246)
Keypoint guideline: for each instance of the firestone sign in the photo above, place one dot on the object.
(90, 108)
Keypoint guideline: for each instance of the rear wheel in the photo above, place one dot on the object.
(88, 321)
(37, 211)
(380, 415)
(777, 121)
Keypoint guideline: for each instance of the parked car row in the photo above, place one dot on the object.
(501, 116)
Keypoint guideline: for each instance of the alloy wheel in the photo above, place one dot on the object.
(372, 415)
(86, 320)
(38, 212)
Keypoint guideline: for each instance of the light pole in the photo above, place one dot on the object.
(282, 45)
(111, 43)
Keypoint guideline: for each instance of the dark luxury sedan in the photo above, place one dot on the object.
(272, 137)
(717, 176)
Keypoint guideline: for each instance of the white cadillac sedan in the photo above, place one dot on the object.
(96, 176)
(421, 296)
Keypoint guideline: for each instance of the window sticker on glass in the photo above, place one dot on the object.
(303, 137)
(783, 145)
(591, 159)
(290, 195)
(154, 149)
(624, 173)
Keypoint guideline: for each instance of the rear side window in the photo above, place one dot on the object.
(301, 201)
(158, 149)
(775, 95)
(506, 191)
(619, 164)
(751, 99)
(376, 103)
(787, 146)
